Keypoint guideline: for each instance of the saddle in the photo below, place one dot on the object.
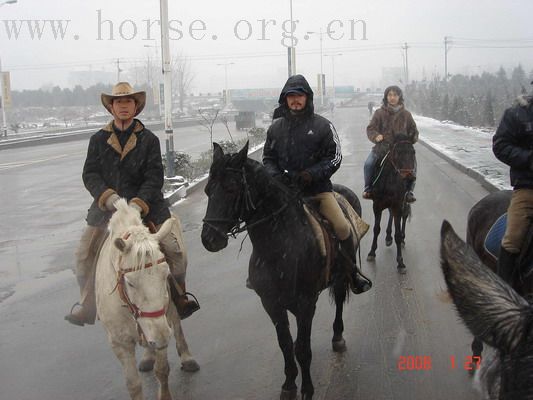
(492, 245)
(325, 237)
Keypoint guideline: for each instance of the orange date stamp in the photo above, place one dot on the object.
(425, 363)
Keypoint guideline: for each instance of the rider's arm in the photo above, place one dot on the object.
(505, 143)
(270, 155)
(372, 130)
(153, 176)
(331, 156)
(412, 131)
(91, 175)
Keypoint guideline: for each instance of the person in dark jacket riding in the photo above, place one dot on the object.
(124, 160)
(304, 148)
(513, 145)
(391, 119)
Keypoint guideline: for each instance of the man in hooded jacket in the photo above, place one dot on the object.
(124, 160)
(303, 148)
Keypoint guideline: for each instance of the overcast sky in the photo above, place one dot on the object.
(250, 35)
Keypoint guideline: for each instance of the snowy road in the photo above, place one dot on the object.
(41, 356)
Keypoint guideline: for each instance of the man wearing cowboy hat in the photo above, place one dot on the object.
(124, 160)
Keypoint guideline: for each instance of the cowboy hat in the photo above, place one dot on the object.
(124, 89)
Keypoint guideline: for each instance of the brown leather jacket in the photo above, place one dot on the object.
(388, 122)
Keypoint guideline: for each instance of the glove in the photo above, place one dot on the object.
(110, 202)
(137, 207)
(283, 178)
(303, 179)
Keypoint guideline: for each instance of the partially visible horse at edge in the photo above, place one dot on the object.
(132, 298)
(389, 191)
(481, 218)
(286, 267)
(496, 314)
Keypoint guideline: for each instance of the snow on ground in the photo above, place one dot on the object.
(470, 147)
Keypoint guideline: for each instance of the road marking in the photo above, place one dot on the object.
(18, 164)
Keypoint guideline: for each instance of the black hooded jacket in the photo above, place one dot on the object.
(513, 142)
(306, 141)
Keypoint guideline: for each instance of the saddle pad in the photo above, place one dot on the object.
(317, 230)
(493, 239)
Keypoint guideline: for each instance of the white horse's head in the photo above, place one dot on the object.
(143, 272)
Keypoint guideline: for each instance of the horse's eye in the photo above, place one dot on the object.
(130, 284)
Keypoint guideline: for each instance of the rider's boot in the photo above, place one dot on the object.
(185, 306)
(507, 265)
(359, 283)
(84, 312)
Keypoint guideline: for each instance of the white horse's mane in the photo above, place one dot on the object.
(144, 247)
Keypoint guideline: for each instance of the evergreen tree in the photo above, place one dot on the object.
(488, 111)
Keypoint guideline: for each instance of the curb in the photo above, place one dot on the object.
(468, 171)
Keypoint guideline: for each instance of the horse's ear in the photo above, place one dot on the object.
(122, 245)
(218, 153)
(242, 155)
(164, 230)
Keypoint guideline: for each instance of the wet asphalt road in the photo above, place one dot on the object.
(232, 338)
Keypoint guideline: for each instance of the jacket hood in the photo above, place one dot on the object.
(295, 83)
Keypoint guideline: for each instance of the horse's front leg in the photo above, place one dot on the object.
(377, 221)
(279, 318)
(388, 237)
(398, 240)
(188, 363)
(339, 289)
(304, 319)
(161, 372)
(125, 353)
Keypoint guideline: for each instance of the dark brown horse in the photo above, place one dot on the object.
(481, 218)
(389, 191)
(286, 267)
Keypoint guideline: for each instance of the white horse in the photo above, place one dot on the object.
(132, 298)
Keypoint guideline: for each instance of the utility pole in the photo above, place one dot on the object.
(3, 101)
(405, 47)
(291, 51)
(446, 58)
(227, 99)
(167, 78)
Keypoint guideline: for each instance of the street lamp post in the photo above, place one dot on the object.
(226, 81)
(2, 100)
(333, 71)
(292, 49)
(321, 81)
(158, 76)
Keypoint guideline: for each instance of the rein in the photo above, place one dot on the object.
(403, 172)
(246, 204)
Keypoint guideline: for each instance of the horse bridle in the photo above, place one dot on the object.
(245, 205)
(120, 287)
(401, 171)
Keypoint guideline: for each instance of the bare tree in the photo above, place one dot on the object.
(182, 77)
(208, 120)
(225, 122)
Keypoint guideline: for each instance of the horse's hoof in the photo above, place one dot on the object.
(288, 394)
(190, 366)
(339, 346)
(371, 258)
(146, 365)
(388, 242)
(402, 269)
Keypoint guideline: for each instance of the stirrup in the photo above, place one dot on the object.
(72, 318)
(192, 306)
